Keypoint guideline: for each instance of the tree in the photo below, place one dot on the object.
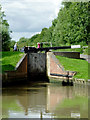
(73, 23)
(12, 44)
(5, 32)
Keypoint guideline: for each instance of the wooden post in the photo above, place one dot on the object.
(67, 77)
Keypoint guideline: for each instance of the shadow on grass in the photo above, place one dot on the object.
(7, 68)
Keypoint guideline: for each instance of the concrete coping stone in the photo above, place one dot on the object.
(20, 61)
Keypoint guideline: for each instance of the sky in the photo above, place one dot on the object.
(28, 17)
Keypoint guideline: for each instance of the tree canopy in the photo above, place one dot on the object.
(4, 31)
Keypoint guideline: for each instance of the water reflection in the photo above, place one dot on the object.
(45, 101)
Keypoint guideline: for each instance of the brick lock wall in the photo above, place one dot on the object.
(54, 68)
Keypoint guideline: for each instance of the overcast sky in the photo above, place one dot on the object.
(28, 17)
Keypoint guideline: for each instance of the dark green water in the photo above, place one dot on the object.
(45, 100)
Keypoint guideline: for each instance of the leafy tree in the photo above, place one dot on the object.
(12, 44)
(72, 23)
(5, 32)
(22, 42)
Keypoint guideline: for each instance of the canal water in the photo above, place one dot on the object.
(45, 100)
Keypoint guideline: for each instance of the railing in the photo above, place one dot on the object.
(46, 49)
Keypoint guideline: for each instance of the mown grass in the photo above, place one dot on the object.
(78, 65)
(9, 60)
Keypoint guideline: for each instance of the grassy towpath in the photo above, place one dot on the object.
(9, 60)
(78, 65)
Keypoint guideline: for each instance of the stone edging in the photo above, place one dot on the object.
(76, 80)
(20, 61)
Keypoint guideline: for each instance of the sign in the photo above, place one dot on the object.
(75, 46)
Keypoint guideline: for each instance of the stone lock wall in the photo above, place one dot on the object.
(68, 54)
(54, 67)
(36, 64)
(21, 66)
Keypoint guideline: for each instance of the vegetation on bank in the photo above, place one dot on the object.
(78, 65)
(9, 60)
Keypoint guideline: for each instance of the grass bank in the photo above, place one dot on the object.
(9, 60)
(78, 65)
